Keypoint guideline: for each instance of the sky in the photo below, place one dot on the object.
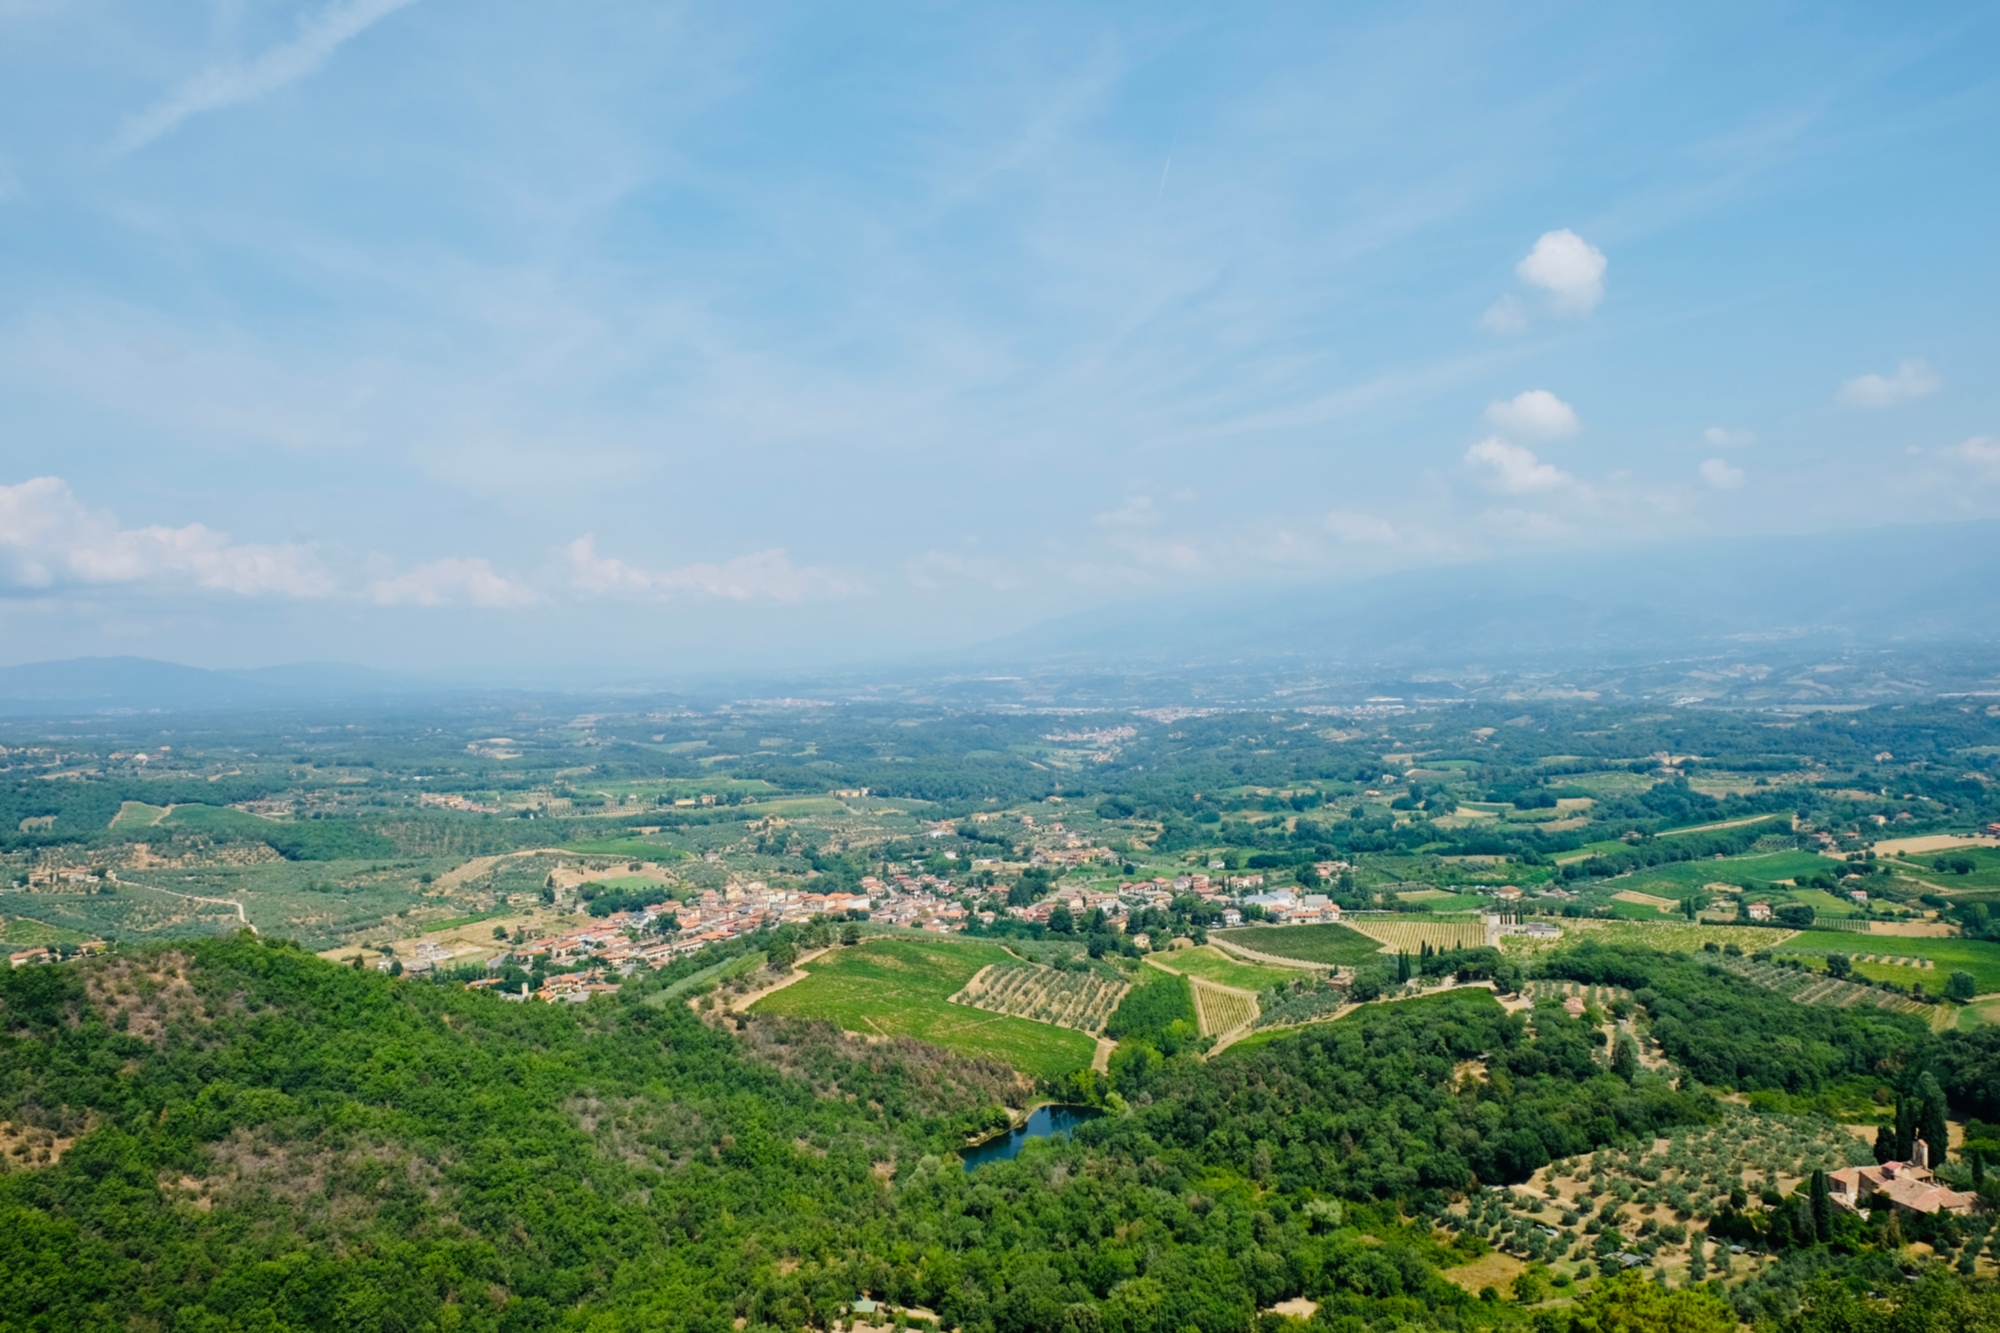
(623, 337)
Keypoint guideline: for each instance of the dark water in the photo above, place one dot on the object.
(1042, 1122)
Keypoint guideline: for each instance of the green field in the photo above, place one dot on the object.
(1671, 936)
(1979, 957)
(1211, 964)
(1335, 945)
(898, 986)
(1449, 902)
(1825, 904)
(1681, 878)
(137, 814)
(633, 849)
(1986, 876)
(23, 934)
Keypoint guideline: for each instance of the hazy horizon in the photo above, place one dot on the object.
(514, 341)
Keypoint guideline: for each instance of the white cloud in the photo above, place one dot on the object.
(1361, 529)
(230, 85)
(1982, 451)
(1505, 316)
(1720, 476)
(49, 539)
(453, 581)
(1913, 379)
(1515, 470)
(1537, 413)
(1137, 512)
(1567, 267)
(761, 576)
(1729, 437)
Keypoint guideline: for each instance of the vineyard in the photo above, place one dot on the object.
(1408, 934)
(1080, 1000)
(1221, 1009)
(1804, 987)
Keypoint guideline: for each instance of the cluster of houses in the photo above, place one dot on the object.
(1295, 908)
(31, 957)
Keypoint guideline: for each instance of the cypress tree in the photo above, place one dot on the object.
(1625, 1058)
(1822, 1205)
(1402, 966)
(1906, 1127)
(1978, 1170)
(1931, 1119)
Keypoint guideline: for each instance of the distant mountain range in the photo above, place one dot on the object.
(1884, 613)
(140, 684)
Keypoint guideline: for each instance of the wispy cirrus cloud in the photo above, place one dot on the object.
(49, 539)
(453, 581)
(219, 86)
(760, 576)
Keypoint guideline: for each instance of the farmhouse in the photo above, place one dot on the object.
(1907, 1186)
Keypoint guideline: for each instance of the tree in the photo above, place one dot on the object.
(1838, 965)
(780, 954)
(1060, 920)
(1822, 1205)
(1631, 1304)
(1960, 986)
(1931, 1118)
(1402, 967)
(1625, 1057)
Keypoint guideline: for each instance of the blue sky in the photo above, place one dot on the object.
(605, 336)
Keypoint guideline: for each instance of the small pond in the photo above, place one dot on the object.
(1042, 1122)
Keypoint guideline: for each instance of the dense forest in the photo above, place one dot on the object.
(254, 1138)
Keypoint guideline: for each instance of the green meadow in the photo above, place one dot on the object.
(1211, 964)
(1979, 957)
(1336, 945)
(899, 987)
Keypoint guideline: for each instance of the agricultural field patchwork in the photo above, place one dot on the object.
(1080, 1000)
(902, 987)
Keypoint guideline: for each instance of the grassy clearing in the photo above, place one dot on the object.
(1211, 964)
(901, 986)
(137, 814)
(1335, 945)
(1979, 957)
(1825, 904)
